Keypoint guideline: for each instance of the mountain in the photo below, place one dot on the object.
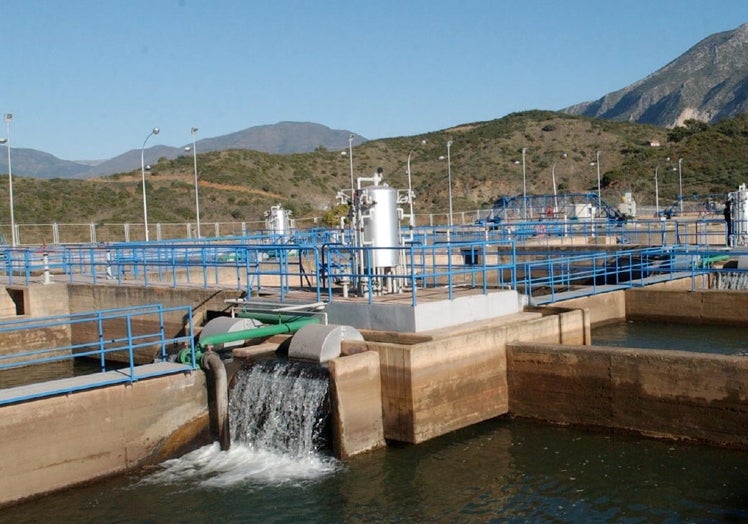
(33, 163)
(130, 160)
(709, 82)
(239, 186)
(280, 138)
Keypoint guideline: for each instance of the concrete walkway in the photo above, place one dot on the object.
(94, 380)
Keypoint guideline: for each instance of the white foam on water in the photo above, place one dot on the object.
(277, 411)
(210, 467)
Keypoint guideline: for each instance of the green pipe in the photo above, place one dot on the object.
(261, 331)
(270, 318)
(185, 356)
(709, 261)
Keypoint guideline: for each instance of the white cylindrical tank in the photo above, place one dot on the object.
(382, 226)
(278, 220)
(739, 211)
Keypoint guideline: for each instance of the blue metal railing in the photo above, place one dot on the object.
(97, 336)
(558, 277)
(450, 265)
(434, 257)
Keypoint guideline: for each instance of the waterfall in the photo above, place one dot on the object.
(732, 280)
(281, 406)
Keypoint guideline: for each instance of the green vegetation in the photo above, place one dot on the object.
(239, 185)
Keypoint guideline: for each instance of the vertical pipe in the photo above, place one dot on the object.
(218, 398)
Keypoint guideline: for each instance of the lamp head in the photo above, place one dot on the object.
(193, 131)
(156, 130)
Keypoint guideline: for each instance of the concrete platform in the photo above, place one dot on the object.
(83, 382)
(434, 310)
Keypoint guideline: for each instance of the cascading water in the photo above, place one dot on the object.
(278, 413)
(280, 406)
(732, 281)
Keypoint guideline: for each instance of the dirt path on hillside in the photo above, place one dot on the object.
(203, 183)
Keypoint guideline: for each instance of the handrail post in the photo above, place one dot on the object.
(100, 326)
(131, 355)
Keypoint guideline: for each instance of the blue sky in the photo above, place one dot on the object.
(88, 79)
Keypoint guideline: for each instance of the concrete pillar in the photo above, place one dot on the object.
(357, 404)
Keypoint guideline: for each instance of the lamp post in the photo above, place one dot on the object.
(411, 220)
(680, 184)
(555, 196)
(449, 180)
(553, 180)
(657, 194)
(14, 240)
(599, 194)
(524, 186)
(155, 131)
(350, 157)
(193, 132)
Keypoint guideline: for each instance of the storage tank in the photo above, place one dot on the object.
(739, 212)
(381, 225)
(278, 220)
(627, 207)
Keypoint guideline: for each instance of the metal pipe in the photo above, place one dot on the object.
(219, 397)
(262, 331)
(270, 317)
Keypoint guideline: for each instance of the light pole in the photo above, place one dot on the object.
(680, 184)
(155, 131)
(193, 132)
(14, 240)
(657, 194)
(599, 194)
(524, 186)
(657, 187)
(555, 196)
(449, 179)
(553, 180)
(350, 157)
(411, 220)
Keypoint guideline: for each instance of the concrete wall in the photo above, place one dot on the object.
(683, 395)
(602, 308)
(439, 381)
(62, 441)
(64, 299)
(8, 306)
(696, 307)
(46, 301)
(357, 404)
(84, 297)
(426, 315)
(37, 301)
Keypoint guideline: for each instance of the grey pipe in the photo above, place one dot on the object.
(218, 397)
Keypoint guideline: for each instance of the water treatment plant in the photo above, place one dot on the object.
(116, 356)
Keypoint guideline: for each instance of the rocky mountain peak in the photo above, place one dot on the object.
(709, 82)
